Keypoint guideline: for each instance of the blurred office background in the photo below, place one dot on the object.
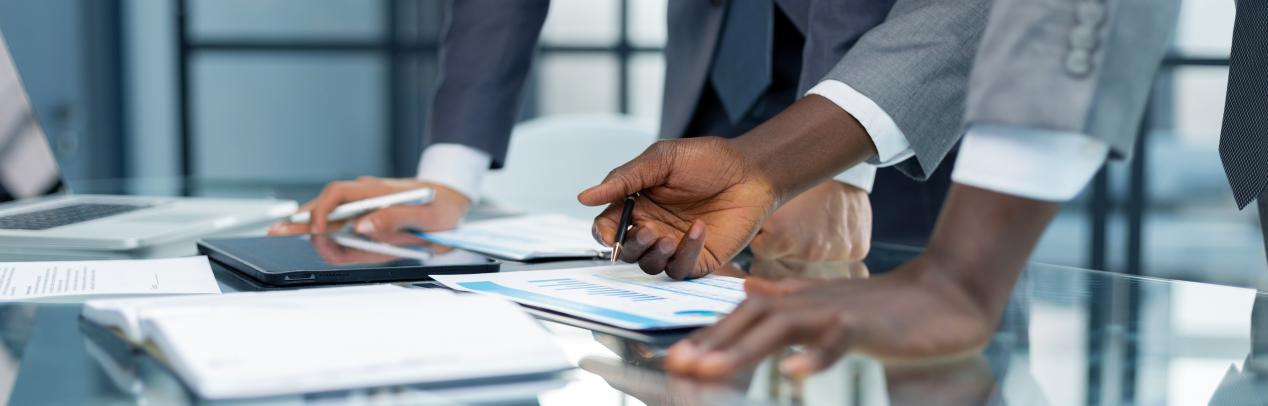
(286, 91)
(306, 91)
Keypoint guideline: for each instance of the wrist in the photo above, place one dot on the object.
(807, 143)
(983, 240)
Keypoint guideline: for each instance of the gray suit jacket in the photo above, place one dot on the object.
(1081, 66)
(911, 57)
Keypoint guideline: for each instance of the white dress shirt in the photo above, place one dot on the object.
(1026, 162)
(462, 168)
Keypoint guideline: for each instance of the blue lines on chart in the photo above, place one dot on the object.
(566, 284)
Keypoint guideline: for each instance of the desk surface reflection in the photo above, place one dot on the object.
(1068, 336)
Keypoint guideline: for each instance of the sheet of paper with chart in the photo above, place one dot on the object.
(621, 295)
(63, 280)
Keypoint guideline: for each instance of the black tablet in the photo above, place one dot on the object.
(342, 258)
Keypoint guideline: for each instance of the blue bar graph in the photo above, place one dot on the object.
(567, 284)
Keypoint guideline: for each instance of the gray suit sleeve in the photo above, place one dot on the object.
(485, 56)
(1081, 66)
(915, 65)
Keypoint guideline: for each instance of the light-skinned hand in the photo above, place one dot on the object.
(443, 213)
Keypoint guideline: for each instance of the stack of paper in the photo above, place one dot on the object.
(622, 295)
(272, 343)
(70, 280)
(525, 238)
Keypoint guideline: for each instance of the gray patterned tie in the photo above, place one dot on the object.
(741, 68)
(1244, 138)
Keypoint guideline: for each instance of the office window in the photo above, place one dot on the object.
(310, 117)
(388, 49)
(583, 23)
(286, 19)
(572, 83)
(647, 87)
(647, 22)
(1205, 28)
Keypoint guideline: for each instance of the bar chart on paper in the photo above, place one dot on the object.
(622, 296)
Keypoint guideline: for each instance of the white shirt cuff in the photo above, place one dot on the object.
(455, 165)
(1028, 162)
(891, 144)
(860, 176)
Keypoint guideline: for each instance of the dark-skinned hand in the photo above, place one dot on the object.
(912, 313)
(701, 202)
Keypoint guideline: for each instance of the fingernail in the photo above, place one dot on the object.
(697, 229)
(365, 227)
(665, 247)
(644, 237)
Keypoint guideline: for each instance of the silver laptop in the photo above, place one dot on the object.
(37, 210)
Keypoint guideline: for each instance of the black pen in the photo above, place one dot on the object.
(623, 226)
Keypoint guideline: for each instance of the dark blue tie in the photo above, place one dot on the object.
(741, 68)
(1244, 137)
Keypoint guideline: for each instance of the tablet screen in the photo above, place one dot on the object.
(344, 252)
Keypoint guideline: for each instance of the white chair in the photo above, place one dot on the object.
(552, 159)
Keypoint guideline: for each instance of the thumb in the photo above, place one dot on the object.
(648, 170)
(398, 218)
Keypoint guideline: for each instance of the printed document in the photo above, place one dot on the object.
(523, 238)
(86, 279)
(621, 295)
(254, 344)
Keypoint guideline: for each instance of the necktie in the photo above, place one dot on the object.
(1244, 137)
(741, 68)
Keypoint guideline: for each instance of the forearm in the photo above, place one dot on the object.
(807, 143)
(983, 239)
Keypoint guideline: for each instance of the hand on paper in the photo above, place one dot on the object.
(443, 213)
(912, 313)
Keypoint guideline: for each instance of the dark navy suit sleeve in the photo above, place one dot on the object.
(485, 56)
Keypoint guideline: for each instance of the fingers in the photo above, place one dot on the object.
(683, 263)
(397, 218)
(822, 353)
(686, 354)
(637, 241)
(657, 257)
(768, 335)
(337, 193)
(285, 228)
(319, 208)
(605, 225)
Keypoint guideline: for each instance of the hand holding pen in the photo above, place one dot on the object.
(698, 206)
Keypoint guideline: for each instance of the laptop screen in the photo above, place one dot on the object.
(27, 165)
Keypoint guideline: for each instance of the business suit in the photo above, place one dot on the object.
(911, 57)
(1095, 61)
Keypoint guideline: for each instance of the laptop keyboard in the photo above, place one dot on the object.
(64, 215)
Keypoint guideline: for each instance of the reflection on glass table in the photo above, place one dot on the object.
(1068, 336)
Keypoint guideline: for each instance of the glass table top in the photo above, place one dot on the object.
(1069, 336)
